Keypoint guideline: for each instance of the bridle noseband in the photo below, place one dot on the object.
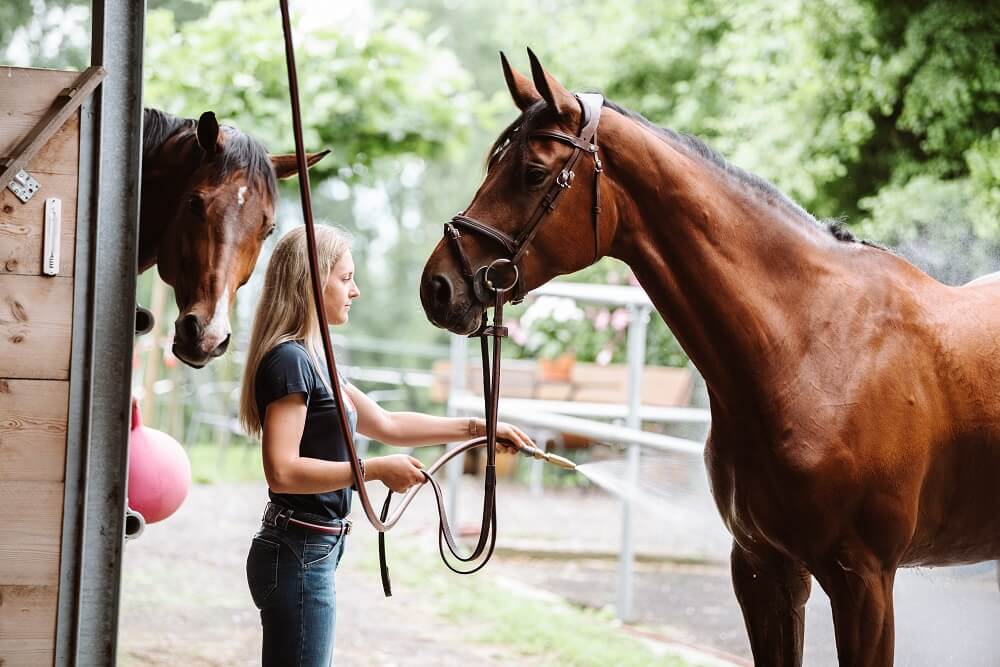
(586, 142)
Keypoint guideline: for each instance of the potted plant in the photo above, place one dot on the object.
(550, 329)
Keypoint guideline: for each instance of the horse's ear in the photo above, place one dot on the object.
(286, 166)
(522, 91)
(208, 132)
(551, 90)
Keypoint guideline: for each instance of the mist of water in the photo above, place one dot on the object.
(676, 481)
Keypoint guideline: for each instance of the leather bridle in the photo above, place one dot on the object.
(483, 284)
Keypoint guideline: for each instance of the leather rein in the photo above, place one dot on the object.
(383, 522)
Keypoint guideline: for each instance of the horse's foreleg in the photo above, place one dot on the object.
(860, 590)
(772, 590)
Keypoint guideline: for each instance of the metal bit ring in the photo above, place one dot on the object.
(489, 283)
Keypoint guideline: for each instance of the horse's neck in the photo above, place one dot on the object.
(730, 273)
(161, 191)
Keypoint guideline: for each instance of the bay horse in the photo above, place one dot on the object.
(207, 204)
(854, 400)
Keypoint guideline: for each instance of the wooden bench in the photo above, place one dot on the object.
(587, 382)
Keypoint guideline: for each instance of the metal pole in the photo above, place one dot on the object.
(638, 321)
(455, 387)
(103, 330)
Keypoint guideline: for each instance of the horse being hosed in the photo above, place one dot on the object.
(207, 204)
(854, 399)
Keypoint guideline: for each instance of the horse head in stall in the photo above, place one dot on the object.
(208, 200)
(855, 421)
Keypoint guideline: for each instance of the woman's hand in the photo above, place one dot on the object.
(397, 471)
(511, 439)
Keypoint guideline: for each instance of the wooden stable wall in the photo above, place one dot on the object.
(36, 315)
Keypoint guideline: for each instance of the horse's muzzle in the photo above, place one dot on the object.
(196, 344)
(448, 305)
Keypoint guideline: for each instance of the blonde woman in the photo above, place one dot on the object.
(286, 400)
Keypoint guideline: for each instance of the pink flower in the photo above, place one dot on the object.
(604, 356)
(602, 319)
(619, 319)
(517, 334)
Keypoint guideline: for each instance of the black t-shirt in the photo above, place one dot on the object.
(285, 370)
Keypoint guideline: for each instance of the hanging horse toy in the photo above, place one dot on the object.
(498, 280)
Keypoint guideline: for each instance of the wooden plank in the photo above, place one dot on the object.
(33, 416)
(661, 385)
(60, 109)
(25, 97)
(31, 516)
(55, 167)
(35, 327)
(22, 225)
(27, 624)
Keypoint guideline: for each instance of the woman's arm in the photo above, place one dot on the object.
(287, 472)
(414, 429)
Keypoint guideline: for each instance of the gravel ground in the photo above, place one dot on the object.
(185, 599)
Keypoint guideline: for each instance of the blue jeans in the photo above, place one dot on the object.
(291, 577)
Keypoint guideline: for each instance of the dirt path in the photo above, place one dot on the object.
(185, 600)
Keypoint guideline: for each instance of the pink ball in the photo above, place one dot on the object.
(159, 472)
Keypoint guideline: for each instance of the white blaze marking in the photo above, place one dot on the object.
(239, 195)
(218, 327)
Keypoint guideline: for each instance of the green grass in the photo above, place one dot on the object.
(555, 631)
(238, 462)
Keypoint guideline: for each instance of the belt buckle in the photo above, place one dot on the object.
(276, 516)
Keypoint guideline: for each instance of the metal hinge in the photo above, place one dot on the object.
(24, 186)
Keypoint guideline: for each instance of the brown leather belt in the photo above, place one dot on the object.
(276, 516)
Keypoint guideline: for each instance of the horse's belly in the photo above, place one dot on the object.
(959, 519)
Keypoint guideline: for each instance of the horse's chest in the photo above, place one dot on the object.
(759, 498)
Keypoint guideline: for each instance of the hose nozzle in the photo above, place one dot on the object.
(536, 453)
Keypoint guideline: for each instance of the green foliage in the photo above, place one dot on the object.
(983, 159)
(886, 112)
(367, 94)
(237, 463)
(45, 33)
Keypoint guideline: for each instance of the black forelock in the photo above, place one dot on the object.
(240, 151)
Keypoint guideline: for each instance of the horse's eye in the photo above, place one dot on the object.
(270, 230)
(196, 205)
(535, 177)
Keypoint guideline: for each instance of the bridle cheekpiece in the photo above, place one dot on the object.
(484, 287)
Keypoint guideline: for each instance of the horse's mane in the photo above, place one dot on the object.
(694, 146)
(240, 151)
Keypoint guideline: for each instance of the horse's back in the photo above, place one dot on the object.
(988, 279)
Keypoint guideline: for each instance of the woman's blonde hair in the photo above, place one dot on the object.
(286, 310)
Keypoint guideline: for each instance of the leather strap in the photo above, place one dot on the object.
(383, 523)
(591, 105)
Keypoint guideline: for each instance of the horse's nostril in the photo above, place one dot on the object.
(440, 289)
(190, 327)
(221, 349)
